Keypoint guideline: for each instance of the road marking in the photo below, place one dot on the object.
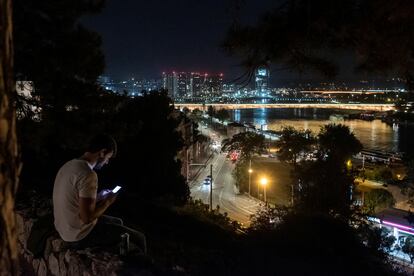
(234, 209)
(196, 181)
(228, 201)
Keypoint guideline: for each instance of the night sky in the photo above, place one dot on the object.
(145, 38)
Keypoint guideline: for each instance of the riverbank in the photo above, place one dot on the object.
(373, 134)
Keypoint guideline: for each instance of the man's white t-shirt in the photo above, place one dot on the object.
(75, 179)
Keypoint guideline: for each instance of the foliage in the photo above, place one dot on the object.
(248, 143)
(408, 247)
(241, 176)
(196, 113)
(383, 174)
(320, 185)
(324, 241)
(201, 211)
(337, 143)
(186, 111)
(309, 36)
(197, 135)
(148, 146)
(190, 237)
(211, 111)
(268, 218)
(293, 143)
(222, 114)
(56, 53)
(408, 189)
(63, 60)
(378, 199)
(379, 241)
(324, 188)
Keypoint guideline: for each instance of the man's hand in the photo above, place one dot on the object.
(110, 198)
(91, 210)
(103, 194)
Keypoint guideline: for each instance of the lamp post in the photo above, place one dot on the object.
(263, 181)
(250, 175)
(188, 164)
(363, 161)
(211, 187)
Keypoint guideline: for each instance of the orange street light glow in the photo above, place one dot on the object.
(263, 181)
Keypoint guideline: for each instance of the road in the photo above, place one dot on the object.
(239, 207)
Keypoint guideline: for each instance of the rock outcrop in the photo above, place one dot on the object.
(57, 258)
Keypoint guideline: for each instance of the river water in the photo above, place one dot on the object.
(372, 134)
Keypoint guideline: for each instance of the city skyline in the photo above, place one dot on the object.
(143, 39)
(291, 83)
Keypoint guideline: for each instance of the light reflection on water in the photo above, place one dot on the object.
(237, 115)
(372, 134)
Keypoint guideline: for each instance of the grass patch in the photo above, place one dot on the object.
(279, 180)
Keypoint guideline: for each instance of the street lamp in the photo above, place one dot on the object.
(349, 164)
(263, 181)
(250, 174)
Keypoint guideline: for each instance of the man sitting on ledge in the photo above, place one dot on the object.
(78, 209)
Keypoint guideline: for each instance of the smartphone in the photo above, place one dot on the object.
(116, 189)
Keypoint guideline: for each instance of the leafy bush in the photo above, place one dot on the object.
(241, 176)
(378, 199)
(198, 209)
(382, 174)
(268, 218)
(408, 248)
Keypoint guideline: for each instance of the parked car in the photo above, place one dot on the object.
(207, 180)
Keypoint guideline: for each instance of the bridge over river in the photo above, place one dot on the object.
(349, 106)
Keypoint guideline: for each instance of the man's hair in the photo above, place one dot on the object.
(100, 142)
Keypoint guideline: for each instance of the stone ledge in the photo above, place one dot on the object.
(57, 260)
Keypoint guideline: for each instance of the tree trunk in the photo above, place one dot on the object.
(292, 184)
(9, 159)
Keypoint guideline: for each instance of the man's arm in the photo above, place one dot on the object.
(91, 210)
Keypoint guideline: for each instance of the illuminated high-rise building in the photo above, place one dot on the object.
(212, 85)
(262, 81)
(196, 83)
(183, 84)
(170, 82)
(192, 85)
(216, 84)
